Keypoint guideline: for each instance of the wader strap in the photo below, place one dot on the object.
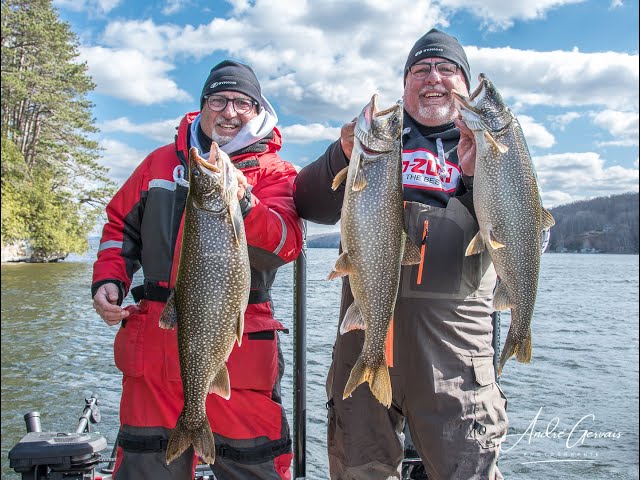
(254, 455)
(141, 443)
(259, 296)
(150, 291)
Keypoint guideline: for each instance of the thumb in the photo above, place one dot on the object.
(111, 292)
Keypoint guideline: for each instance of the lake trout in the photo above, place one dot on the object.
(509, 210)
(373, 241)
(210, 296)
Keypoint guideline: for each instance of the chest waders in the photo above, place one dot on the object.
(442, 376)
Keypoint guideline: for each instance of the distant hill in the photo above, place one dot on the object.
(600, 225)
(603, 224)
(324, 240)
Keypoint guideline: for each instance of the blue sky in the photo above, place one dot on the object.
(567, 68)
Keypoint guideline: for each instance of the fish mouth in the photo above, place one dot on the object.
(465, 101)
(193, 153)
(365, 126)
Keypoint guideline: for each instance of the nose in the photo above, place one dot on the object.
(229, 110)
(433, 76)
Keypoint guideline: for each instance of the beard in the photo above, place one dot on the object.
(224, 139)
(221, 139)
(436, 114)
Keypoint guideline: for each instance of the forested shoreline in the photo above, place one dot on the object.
(53, 187)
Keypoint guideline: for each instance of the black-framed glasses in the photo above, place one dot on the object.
(218, 103)
(423, 70)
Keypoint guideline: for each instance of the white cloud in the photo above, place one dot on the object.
(89, 6)
(621, 125)
(560, 78)
(329, 60)
(616, 4)
(162, 131)
(121, 159)
(535, 133)
(333, 56)
(576, 176)
(173, 6)
(501, 14)
(561, 121)
(309, 133)
(130, 75)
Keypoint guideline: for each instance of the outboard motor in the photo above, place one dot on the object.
(57, 456)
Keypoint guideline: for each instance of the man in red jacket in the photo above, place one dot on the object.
(144, 229)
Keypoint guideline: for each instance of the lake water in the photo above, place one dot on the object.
(573, 411)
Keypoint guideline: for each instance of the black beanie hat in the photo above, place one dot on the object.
(231, 76)
(435, 43)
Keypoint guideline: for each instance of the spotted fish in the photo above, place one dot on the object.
(210, 296)
(373, 240)
(509, 210)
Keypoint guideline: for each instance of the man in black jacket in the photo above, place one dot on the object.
(441, 371)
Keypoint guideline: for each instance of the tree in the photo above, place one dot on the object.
(52, 184)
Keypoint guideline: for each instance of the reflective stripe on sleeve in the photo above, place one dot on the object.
(283, 238)
(110, 244)
(161, 183)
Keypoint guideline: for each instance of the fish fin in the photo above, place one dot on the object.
(495, 244)
(501, 299)
(183, 437)
(502, 148)
(547, 219)
(359, 182)
(411, 255)
(512, 347)
(342, 267)
(240, 330)
(353, 320)
(339, 178)
(220, 385)
(377, 377)
(475, 246)
(169, 315)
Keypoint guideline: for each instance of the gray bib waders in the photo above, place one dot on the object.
(442, 376)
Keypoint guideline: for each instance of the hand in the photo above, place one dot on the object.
(346, 137)
(242, 183)
(466, 148)
(105, 301)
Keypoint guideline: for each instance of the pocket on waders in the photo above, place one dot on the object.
(490, 405)
(254, 365)
(128, 346)
(442, 236)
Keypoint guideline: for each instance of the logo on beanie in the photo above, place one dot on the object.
(228, 82)
(430, 49)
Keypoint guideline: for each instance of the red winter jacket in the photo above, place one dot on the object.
(145, 219)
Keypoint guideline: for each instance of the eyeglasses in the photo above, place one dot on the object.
(218, 103)
(423, 70)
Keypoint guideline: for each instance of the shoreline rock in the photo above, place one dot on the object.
(22, 251)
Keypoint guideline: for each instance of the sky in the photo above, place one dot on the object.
(567, 68)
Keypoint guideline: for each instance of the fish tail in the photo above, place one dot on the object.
(378, 378)
(183, 437)
(521, 349)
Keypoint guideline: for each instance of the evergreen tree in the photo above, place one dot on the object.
(53, 187)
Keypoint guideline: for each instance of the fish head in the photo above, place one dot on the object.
(212, 183)
(484, 109)
(378, 132)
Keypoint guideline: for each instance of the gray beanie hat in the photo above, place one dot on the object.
(232, 76)
(435, 43)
